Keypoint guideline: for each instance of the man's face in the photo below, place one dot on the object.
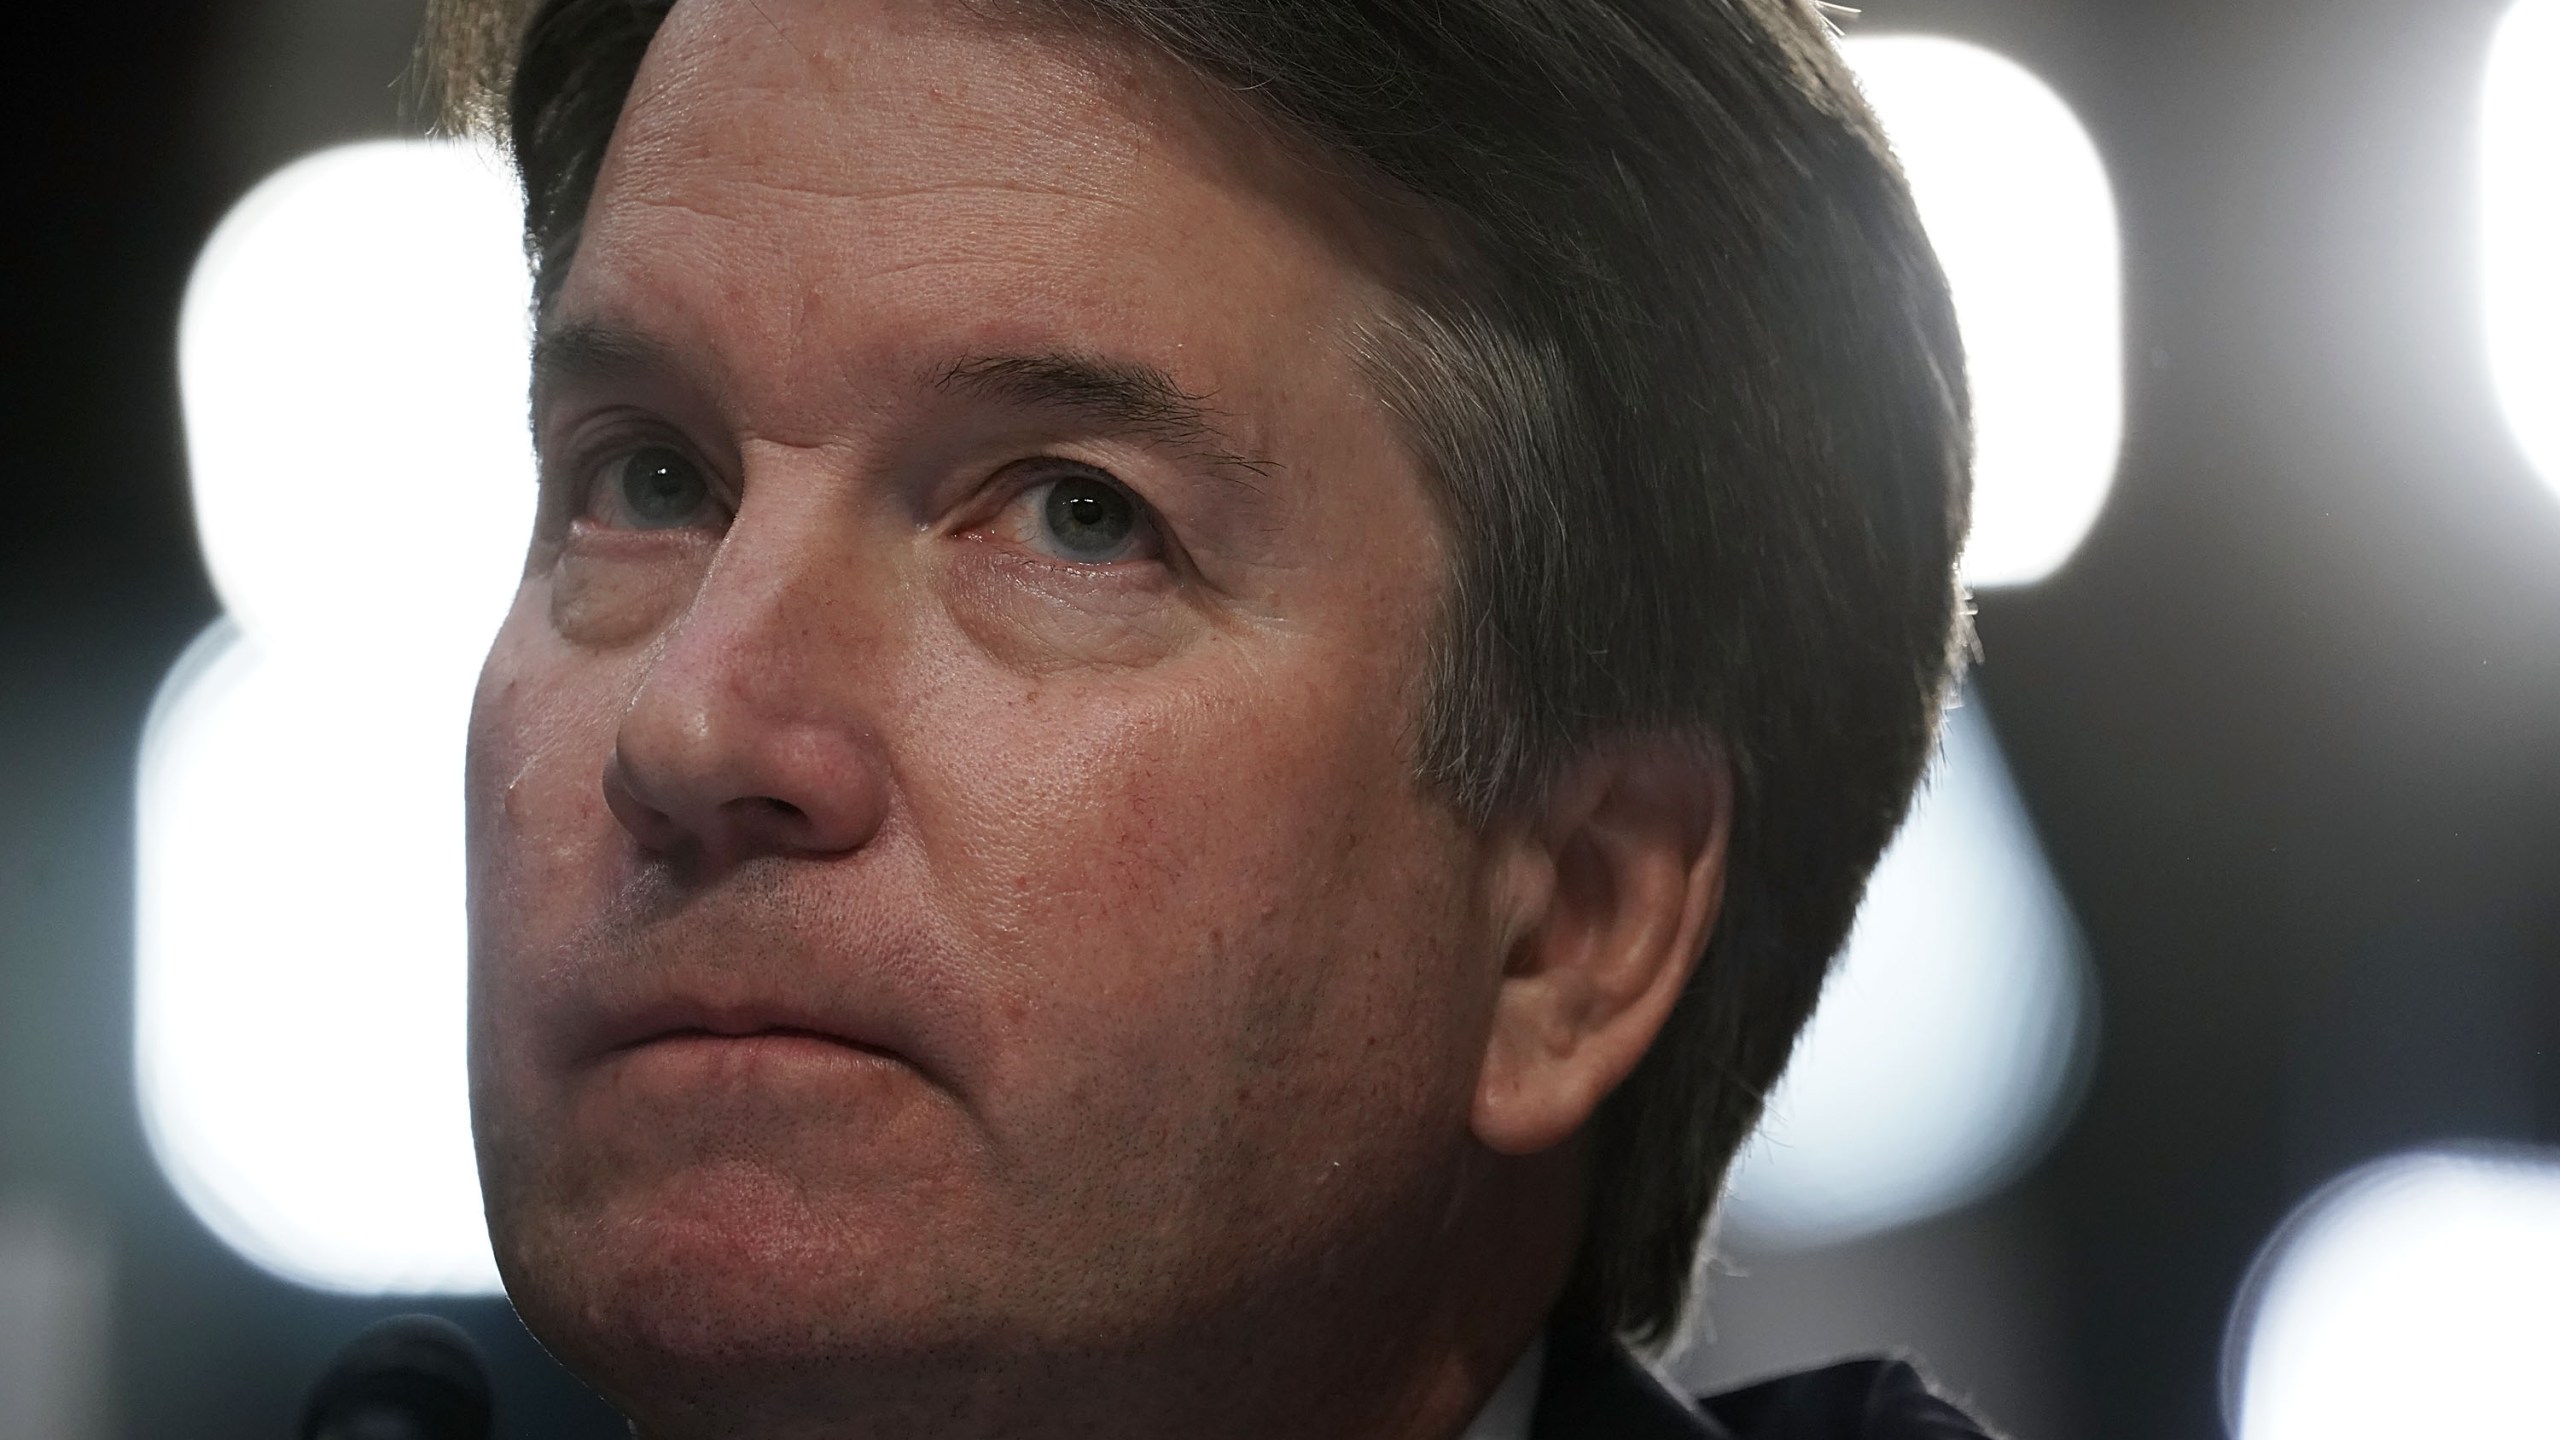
(947, 873)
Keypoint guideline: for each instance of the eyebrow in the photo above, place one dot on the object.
(1118, 395)
(1124, 396)
(583, 350)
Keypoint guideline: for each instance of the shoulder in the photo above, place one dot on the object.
(1874, 1399)
(1595, 1390)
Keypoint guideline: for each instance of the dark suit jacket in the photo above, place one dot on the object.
(1594, 1390)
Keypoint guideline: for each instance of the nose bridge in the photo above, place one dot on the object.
(751, 730)
(780, 587)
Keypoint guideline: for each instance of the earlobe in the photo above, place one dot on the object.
(1608, 898)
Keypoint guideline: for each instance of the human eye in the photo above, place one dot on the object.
(1080, 515)
(650, 487)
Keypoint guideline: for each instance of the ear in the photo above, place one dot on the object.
(1610, 890)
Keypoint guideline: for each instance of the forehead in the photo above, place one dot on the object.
(911, 176)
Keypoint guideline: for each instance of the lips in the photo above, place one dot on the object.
(745, 961)
(695, 1020)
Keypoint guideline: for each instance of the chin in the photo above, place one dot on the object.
(733, 1275)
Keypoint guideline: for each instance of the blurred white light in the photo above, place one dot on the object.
(352, 360)
(2420, 1295)
(1945, 1051)
(2017, 204)
(353, 356)
(2520, 225)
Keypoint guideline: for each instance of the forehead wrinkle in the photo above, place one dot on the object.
(746, 206)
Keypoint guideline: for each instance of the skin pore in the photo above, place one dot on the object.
(958, 948)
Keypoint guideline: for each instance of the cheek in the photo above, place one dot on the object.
(542, 724)
(609, 600)
(1206, 887)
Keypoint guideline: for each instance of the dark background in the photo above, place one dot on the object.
(2289, 724)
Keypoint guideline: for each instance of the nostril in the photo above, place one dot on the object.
(654, 829)
(769, 823)
(786, 826)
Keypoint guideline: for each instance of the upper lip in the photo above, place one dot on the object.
(738, 972)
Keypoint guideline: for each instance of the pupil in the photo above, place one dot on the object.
(661, 486)
(1090, 516)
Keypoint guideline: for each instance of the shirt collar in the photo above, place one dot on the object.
(1515, 1401)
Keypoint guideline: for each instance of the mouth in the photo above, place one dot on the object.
(736, 1031)
(689, 1063)
(771, 1035)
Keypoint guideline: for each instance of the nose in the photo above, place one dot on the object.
(744, 739)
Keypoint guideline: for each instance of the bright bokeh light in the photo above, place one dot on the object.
(2520, 225)
(2017, 204)
(352, 361)
(1946, 1049)
(2417, 1296)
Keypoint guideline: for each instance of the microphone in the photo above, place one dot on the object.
(411, 1377)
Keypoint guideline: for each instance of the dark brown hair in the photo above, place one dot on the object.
(1693, 393)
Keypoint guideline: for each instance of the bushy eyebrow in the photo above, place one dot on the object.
(583, 350)
(1121, 396)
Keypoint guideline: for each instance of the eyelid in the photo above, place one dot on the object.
(1026, 478)
(595, 445)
